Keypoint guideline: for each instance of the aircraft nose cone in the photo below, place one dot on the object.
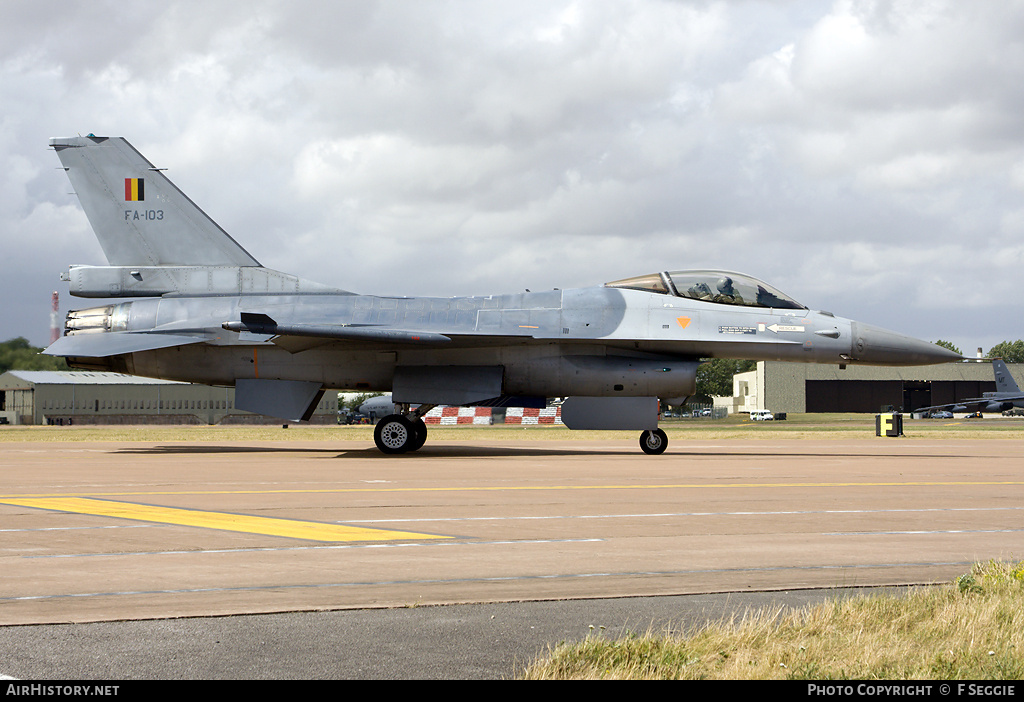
(882, 347)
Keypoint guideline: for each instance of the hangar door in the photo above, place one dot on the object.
(852, 395)
(872, 395)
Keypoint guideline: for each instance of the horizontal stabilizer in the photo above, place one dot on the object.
(254, 323)
(101, 345)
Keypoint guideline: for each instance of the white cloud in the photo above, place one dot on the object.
(837, 149)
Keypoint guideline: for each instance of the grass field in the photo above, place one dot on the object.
(818, 426)
(966, 630)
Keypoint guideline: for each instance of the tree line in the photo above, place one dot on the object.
(1009, 351)
(18, 354)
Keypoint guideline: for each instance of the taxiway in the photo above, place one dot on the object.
(119, 531)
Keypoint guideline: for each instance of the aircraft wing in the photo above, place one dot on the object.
(100, 345)
(974, 404)
(965, 404)
(298, 337)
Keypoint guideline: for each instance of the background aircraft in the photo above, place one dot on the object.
(378, 407)
(208, 312)
(1006, 396)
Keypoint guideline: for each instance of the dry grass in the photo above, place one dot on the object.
(970, 629)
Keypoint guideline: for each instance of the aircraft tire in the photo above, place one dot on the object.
(395, 434)
(419, 436)
(653, 442)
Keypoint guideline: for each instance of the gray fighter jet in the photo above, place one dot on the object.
(1006, 396)
(204, 310)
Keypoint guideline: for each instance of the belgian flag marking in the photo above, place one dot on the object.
(134, 189)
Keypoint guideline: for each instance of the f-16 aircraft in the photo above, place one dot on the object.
(1006, 396)
(204, 310)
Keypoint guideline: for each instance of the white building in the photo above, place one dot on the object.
(812, 387)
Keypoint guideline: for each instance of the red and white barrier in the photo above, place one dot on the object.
(533, 415)
(458, 415)
(482, 415)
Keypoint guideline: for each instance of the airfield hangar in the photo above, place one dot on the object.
(810, 387)
(86, 397)
(64, 397)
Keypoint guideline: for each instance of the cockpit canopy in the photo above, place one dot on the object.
(712, 286)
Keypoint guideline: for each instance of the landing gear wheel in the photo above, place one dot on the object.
(419, 434)
(395, 434)
(653, 442)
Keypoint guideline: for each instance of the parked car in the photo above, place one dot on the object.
(761, 416)
(353, 418)
(941, 414)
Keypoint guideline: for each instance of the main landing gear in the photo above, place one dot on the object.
(402, 433)
(653, 441)
(406, 432)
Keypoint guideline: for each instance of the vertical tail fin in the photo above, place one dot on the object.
(1004, 381)
(138, 215)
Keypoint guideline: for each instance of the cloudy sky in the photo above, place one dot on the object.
(865, 157)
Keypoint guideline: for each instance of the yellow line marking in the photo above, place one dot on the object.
(288, 528)
(15, 499)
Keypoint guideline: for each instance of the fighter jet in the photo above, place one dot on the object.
(1007, 395)
(205, 310)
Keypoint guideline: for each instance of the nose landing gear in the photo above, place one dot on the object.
(653, 441)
